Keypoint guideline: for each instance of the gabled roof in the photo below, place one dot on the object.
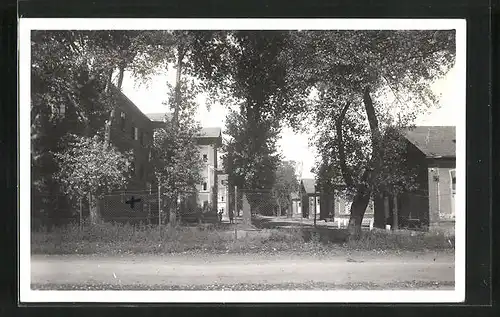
(158, 117)
(211, 132)
(206, 132)
(294, 196)
(309, 185)
(434, 141)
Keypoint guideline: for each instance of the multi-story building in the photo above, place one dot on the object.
(209, 141)
(131, 129)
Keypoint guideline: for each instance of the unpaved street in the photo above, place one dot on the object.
(232, 269)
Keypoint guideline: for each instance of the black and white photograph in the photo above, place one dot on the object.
(242, 160)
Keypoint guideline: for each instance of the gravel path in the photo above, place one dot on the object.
(174, 271)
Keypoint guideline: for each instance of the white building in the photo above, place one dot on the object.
(210, 140)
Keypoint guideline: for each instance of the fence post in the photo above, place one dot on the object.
(159, 208)
(149, 204)
(81, 220)
(236, 212)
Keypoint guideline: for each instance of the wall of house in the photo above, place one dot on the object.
(132, 130)
(414, 205)
(208, 153)
(296, 207)
(343, 205)
(223, 196)
(441, 199)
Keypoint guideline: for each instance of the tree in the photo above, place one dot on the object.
(286, 184)
(89, 170)
(349, 69)
(175, 152)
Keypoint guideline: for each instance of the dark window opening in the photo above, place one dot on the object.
(62, 110)
(222, 198)
(204, 186)
(132, 132)
(205, 158)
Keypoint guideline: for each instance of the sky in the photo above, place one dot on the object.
(149, 99)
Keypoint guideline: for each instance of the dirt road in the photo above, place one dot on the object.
(233, 269)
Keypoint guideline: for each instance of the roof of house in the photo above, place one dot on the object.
(206, 132)
(433, 141)
(309, 185)
(294, 196)
(159, 116)
(211, 132)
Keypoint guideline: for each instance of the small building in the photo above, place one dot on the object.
(431, 152)
(310, 198)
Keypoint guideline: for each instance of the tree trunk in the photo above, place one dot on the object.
(358, 208)
(120, 75)
(376, 139)
(94, 210)
(180, 56)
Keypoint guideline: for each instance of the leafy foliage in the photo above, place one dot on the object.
(340, 66)
(176, 160)
(87, 167)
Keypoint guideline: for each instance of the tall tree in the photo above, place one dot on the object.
(175, 153)
(352, 72)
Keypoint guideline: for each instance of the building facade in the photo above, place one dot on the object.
(132, 130)
(431, 153)
(223, 196)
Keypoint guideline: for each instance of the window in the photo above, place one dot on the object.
(222, 198)
(204, 185)
(136, 134)
(62, 110)
(122, 121)
(143, 138)
(205, 158)
(453, 181)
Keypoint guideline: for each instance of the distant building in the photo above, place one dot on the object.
(296, 204)
(310, 198)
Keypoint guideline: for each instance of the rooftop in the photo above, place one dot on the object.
(434, 141)
(206, 132)
(309, 185)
